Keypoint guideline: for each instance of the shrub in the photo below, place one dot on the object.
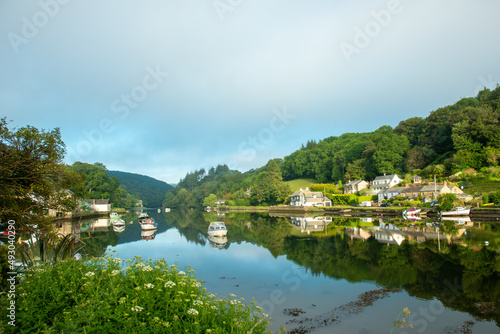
(106, 296)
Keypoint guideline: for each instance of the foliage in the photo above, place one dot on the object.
(210, 200)
(145, 188)
(33, 177)
(265, 185)
(98, 185)
(450, 139)
(447, 202)
(102, 296)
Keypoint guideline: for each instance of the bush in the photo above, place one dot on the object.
(102, 296)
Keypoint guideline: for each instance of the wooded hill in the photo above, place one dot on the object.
(451, 139)
(151, 191)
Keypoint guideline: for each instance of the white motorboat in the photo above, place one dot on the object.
(457, 211)
(114, 215)
(217, 229)
(148, 224)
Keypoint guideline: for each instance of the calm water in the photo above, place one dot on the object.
(445, 275)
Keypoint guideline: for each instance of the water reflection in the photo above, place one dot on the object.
(445, 261)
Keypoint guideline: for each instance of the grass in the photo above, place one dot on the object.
(108, 295)
(301, 183)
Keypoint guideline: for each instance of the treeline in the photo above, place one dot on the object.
(263, 186)
(451, 139)
(96, 184)
(145, 188)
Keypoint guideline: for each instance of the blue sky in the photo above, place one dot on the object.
(165, 87)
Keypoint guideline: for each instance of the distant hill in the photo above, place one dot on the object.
(149, 190)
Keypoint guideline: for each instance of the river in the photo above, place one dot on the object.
(330, 275)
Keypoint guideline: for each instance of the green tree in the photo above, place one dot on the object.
(210, 200)
(33, 177)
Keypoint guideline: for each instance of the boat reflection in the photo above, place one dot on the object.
(217, 241)
(148, 234)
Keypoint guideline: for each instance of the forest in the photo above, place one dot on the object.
(450, 140)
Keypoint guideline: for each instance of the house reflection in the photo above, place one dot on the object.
(310, 224)
(388, 233)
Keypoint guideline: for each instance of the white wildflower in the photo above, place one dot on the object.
(89, 274)
(192, 311)
(169, 284)
(149, 286)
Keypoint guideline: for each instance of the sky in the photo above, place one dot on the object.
(166, 87)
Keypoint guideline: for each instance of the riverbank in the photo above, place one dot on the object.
(492, 214)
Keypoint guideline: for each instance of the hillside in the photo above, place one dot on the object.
(148, 189)
(452, 139)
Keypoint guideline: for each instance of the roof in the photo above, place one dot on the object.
(431, 188)
(412, 190)
(393, 190)
(385, 177)
(352, 183)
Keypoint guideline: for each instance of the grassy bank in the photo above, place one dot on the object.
(137, 296)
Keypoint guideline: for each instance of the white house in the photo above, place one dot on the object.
(309, 198)
(355, 186)
(384, 182)
(100, 205)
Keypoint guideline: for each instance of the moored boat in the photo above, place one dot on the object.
(114, 215)
(148, 224)
(217, 229)
(457, 211)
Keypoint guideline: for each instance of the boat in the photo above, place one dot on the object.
(167, 209)
(217, 229)
(457, 211)
(114, 215)
(143, 215)
(148, 224)
(411, 212)
(118, 222)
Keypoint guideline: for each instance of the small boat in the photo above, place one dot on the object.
(148, 224)
(217, 229)
(167, 209)
(457, 211)
(411, 212)
(114, 215)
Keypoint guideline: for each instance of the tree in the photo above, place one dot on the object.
(33, 177)
(210, 200)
